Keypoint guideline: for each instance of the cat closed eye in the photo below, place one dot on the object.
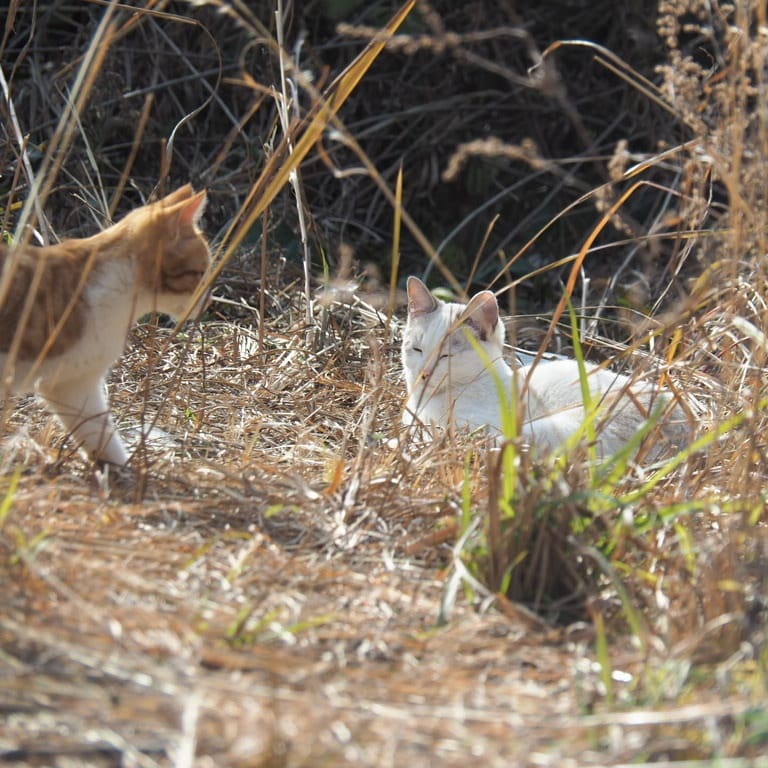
(179, 273)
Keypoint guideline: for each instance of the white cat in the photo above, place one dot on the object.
(66, 309)
(449, 383)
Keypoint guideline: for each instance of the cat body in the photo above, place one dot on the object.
(66, 309)
(449, 383)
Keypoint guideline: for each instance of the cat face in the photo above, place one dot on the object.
(436, 352)
(175, 256)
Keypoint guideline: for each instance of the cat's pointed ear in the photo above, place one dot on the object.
(191, 211)
(420, 299)
(182, 193)
(482, 313)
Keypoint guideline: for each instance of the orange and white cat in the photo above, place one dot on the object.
(449, 383)
(66, 309)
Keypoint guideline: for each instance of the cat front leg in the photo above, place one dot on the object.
(83, 411)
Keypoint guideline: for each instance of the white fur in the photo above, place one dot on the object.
(449, 383)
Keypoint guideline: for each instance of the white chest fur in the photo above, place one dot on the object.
(72, 383)
(111, 301)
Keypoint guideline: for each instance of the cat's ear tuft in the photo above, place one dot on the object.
(482, 313)
(420, 299)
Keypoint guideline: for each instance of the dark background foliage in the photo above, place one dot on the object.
(463, 76)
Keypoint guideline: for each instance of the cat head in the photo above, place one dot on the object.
(174, 254)
(436, 351)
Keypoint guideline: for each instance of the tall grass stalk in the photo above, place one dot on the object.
(287, 103)
(302, 137)
(395, 258)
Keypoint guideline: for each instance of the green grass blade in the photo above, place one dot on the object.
(7, 503)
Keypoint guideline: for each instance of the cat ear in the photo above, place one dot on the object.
(482, 313)
(190, 213)
(420, 299)
(182, 193)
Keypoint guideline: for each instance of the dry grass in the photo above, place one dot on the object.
(275, 587)
(273, 596)
(276, 584)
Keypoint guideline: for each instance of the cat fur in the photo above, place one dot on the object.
(66, 309)
(449, 384)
